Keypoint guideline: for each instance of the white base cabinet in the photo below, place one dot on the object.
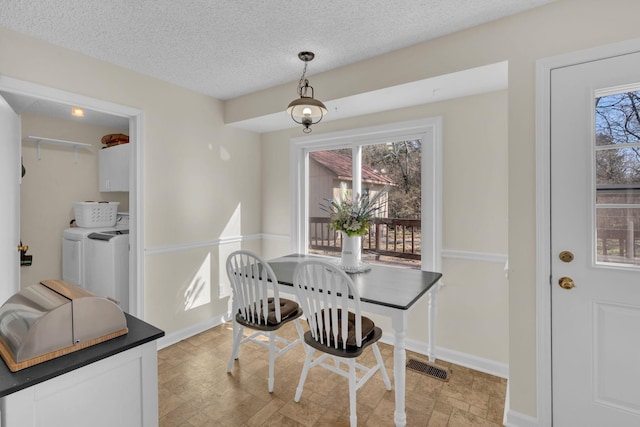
(121, 390)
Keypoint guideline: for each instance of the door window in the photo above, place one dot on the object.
(617, 176)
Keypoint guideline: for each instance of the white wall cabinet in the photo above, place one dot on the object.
(113, 168)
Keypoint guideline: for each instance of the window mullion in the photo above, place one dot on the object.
(356, 184)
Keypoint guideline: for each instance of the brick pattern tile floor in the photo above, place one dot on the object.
(195, 390)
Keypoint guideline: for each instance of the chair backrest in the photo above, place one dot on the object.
(324, 291)
(253, 282)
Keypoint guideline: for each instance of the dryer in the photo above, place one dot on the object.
(73, 254)
(107, 265)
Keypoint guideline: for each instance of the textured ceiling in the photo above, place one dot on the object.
(228, 48)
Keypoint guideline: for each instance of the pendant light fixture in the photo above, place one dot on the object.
(306, 110)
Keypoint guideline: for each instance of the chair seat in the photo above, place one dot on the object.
(366, 324)
(370, 334)
(289, 310)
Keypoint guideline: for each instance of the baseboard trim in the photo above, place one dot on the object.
(487, 366)
(183, 334)
(470, 361)
(516, 419)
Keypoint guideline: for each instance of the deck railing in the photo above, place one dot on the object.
(393, 237)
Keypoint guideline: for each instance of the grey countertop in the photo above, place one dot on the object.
(139, 333)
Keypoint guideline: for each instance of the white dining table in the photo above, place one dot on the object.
(387, 291)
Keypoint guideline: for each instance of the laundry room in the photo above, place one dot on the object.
(57, 175)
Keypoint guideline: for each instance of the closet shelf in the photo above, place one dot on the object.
(41, 140)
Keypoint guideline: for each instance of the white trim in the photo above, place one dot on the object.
(202, 244)
(480, 364)
(543, 212)
(474, 256)
(280, 237)
(35, 90)
(136, 199)
(488, 366)
(432, 194)
(298, 164)
(136, 209)
(491, 367)
(543, 243)
(507, 405)
(183, 334)
(428, 130)
(516, 419)
(445, 253)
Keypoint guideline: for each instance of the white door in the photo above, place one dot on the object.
(10, 173)
(595, 215)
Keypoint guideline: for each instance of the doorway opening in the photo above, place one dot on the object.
(50, 101)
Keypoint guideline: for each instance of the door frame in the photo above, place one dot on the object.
(543, 209)
(136, 206)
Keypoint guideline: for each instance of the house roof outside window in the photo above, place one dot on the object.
(340, 165)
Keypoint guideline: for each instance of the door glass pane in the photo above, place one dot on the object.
(617, 166)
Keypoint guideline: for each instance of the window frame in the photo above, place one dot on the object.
(429, 130)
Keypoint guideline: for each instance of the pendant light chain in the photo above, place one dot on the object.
(303, 82)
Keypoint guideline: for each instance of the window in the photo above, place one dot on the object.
(344, 163)
(617, 176)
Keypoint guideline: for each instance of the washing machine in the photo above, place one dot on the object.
(74, 249)
(107, 265)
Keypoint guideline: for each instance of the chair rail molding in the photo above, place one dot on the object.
(474, 256)
(201, 244)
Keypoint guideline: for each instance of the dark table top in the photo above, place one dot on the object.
(139, 333)
(395, 287)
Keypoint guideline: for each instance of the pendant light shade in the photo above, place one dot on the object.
(306, 110)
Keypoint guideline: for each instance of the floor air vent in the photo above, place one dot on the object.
(431, 369)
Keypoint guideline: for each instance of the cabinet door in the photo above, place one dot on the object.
(113, 165)
(120, 390)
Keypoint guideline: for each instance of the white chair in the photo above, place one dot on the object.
(257, 305)
(337, 328)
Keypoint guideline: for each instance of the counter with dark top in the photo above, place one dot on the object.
(81, 367)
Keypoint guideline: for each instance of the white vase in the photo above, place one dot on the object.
(351, 250)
